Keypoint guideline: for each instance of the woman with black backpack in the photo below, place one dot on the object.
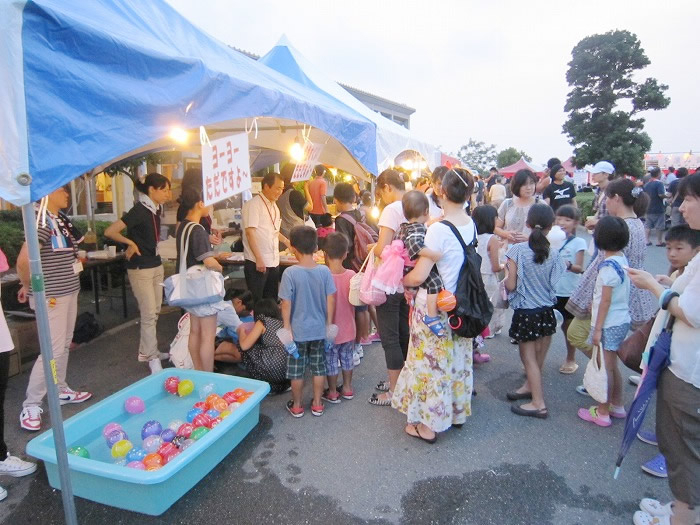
(434, 388)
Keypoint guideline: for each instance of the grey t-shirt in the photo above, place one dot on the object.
(199, 246)
(308, 290)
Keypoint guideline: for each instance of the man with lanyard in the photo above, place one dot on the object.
(59, 241)
(261, 237)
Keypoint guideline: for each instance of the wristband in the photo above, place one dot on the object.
(667, 299)
(663, 295)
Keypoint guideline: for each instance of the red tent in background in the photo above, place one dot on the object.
(450, 162)
(569, 165)
(522, 164)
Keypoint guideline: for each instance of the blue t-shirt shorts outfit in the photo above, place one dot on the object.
(656, 212)
(617, 322)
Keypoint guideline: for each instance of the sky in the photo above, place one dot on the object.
(491, 70)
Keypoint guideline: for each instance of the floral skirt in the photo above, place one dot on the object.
(435, 384)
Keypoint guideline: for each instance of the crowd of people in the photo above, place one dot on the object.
(416, 252)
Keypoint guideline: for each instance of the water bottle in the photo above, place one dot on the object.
(331, 334)
(290, 346)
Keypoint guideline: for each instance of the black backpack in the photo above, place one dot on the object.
(86, 328)
(474, 309)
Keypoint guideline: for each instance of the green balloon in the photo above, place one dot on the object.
(199, 432)
(80, 452)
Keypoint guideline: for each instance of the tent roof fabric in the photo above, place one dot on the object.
(97, 81)
(522, 164)
(391, 138)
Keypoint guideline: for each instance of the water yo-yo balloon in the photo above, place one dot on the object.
(153, 460)
(175, 424)
(168, 434)
(186, 444)
(109, 428)
(121, 448)
(138, 465)
(201, 420)
(177, 440)
(152, 443)
(213, 413)
(171, 384)
(446, 301)
(194, 412)
(206, 390)
(121, 462)
(79, 451)
(201, 404)
(185, 387)
(199, 432)
(211, 398)
(219, 404)
(215, 421)
(225, 413)
(114, 436)
(185, 430)
(134, 405)
(230, 397)
(151, 428)
(136, 454)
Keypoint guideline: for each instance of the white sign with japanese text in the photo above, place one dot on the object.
(225, 168)
(303, 170)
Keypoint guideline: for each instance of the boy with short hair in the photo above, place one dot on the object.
(335, 248)
(308, 305)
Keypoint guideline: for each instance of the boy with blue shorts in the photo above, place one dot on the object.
(308, 306)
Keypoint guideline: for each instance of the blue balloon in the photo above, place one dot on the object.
(151, 428)
(213, 413)
(168, 434)
(136, 454)
(114, 436)
(193, 413)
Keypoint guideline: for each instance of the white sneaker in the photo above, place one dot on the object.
(16, 467)
(3, 493)
(655, 508)
(355, 359)
(155, 366)
(359, 350)
(30, 418)
(72, 396)
(635, 380)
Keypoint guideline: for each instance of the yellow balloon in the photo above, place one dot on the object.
(121, 448)
(225, 414)
(185, 387)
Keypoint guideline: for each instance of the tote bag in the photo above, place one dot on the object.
(356, 284)
(370, 295)
(196, 285)
(595, 379)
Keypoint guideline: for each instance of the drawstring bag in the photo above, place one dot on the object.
(194, 286)
(356, 284)
(370, 295)
(179, 350)
(595, 379)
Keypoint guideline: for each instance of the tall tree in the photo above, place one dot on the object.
(478, 155)
(510, 156)
(604, 101)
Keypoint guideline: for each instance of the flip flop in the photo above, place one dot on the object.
(418, 435)
(516, 396)
(374, 400)
(568, 369)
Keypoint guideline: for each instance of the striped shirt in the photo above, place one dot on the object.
(59, 278)
(535, 283)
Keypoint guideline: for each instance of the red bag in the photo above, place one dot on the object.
(631, 349)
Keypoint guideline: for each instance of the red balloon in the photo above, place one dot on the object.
(215, 421)
(230, 397)
(185, 430)
(202, 420)
(166, 449)
(171, 384)
(202, 405)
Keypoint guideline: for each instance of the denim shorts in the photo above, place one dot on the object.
(344, 353)
(612, 337)
(655, 221)
(311, 352)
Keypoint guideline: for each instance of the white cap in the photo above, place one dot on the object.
(603, 167)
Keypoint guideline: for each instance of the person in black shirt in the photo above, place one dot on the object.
(560, 191)
(144, 267)
(193, 179)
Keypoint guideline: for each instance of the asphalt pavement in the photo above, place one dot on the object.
(355, 464)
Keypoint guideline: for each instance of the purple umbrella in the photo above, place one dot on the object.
(658, 361)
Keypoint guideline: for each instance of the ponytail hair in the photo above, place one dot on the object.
(152, 180)
(540, 219)
(190, 197)
(631, 195)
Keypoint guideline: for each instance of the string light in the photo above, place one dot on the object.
(296, 151)
(179, 135)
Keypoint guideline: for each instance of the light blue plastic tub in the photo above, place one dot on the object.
(149, 492)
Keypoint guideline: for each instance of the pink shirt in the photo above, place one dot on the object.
(317, 189)
(344, 311)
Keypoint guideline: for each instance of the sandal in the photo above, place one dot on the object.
(418, 434)
(331, 398)
(435, 325)
(376, 401)
(661, 244)
(348, 394)
(591, 415)
(655, 508)
(644, 518)
(383, 386)
(540, 413)
(568, 368)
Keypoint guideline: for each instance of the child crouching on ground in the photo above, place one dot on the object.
(308, 305)
(336, 249)
(610, 316)
(415, 208)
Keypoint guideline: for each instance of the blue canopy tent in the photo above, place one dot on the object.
(89, 83)
(392, 139)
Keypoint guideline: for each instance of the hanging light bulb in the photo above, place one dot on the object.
(179, 135)
(296, 151)
(374, 213)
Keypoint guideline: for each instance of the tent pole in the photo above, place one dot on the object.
(42, 321)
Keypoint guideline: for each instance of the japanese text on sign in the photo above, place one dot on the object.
(303, 170)
(225, 168)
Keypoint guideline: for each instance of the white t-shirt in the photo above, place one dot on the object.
(568, 282)
(392, 216)
(6, 344)
(483, 250)
(265, 217)
(619, 311)
(434, 211)
(441, 239)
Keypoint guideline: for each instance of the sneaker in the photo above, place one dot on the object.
(155, 366)
(649, 437)
(634, 380)
(296, 412)
(16, 467)
(481, 357)
(591, 415)
(366, 341)
(617, 412)
(331, 398)
(656, 466)
(317, 410)
(30, 418)
(582, 390)
(374, 338)
(359, 351)
(490, 336)
(355, 359)
(3, 493)
(655, 508)
(71, 396)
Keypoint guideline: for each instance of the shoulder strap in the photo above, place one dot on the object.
(567, 242)
(349, 218)
(185, 245)
(456, 233)
(615, 266)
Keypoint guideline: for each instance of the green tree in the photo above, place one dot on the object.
(510, 156)
(478, 155)
(605, 100)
